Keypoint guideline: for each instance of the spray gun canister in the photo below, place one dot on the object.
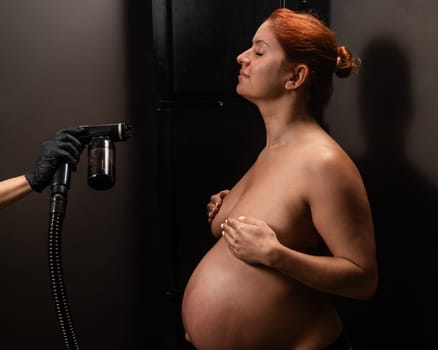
(102, 152)
(101, 163)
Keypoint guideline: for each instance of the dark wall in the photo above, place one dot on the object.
(64, 64)
(404, 203)
(385, 117)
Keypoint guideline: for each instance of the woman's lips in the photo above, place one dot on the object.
(243, 75)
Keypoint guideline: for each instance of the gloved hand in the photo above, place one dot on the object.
(64, 147)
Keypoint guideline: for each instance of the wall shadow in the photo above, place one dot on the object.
(404, 205)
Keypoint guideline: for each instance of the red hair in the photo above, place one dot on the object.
(306, 39)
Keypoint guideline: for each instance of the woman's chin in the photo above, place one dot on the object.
(240, 91)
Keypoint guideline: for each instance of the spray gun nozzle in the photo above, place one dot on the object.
(114, 132)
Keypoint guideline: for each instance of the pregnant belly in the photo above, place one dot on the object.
(229, 304)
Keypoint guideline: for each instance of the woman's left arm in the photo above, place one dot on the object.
(341, 214)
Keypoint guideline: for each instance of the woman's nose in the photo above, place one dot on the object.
(242, 58)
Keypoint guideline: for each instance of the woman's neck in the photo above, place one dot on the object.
(284, 122)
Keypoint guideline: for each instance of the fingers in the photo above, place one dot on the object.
(223, 193)
(218, 197)
(73, 151)
(66, 152)
(231, 227)
(249, 220)
(213, 209)
(64, 156)
(70, 139)
(62, 148)
(66, 140)
(231, 237)
(228, 232)
(215, 203)
(236, 223)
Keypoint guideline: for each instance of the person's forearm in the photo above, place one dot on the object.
(13, 189)
(333, 275)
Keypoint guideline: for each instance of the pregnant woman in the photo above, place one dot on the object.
(297, 228)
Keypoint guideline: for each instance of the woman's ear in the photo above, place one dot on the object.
(297, 77)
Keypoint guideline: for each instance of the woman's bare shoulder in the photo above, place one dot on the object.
(324, 160)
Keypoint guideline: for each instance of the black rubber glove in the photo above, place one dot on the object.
(64, 147)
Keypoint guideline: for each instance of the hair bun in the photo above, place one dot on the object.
(346, 63)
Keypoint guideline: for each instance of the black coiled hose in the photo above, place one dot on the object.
(58, 205)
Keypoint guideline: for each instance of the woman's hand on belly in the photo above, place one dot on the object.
(249, 239)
